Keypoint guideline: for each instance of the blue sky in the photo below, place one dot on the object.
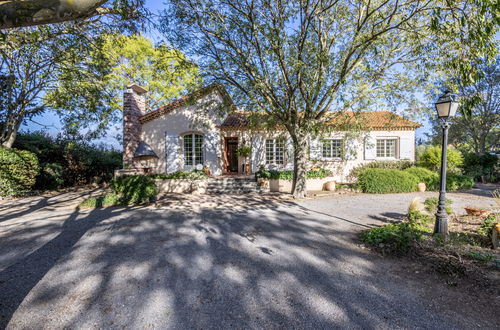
(50, 123)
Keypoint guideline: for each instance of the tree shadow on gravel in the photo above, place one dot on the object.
(273, 267)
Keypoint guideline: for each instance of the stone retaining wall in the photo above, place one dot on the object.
(285, 186)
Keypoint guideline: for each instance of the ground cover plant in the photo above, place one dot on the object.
(318, 173)
(193, 175)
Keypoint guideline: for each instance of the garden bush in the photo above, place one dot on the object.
(431, 205)
(458, 182)
(288, 175)
(18, 171)
(66, 161)
(431, 159)
(134, 189)
(383, 181)
(394, 238)
(394, 165)
(431, 179)
(481, 167)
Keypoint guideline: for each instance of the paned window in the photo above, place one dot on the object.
(386, 148)
(193, 149)
(275, 151)
(332, 148)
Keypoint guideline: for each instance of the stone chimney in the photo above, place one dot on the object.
(134, 106)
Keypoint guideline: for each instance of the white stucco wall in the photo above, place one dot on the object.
(202, 117)
(341, 168)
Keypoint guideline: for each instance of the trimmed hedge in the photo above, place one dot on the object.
(394, 165)
(384, 181)
(18, 171)
(288, 175)
(134, 189)
(193, 175)
(431, 179)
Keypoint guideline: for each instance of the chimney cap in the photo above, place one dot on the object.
(138, 89)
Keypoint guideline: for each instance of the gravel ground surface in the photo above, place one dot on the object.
(202, 262)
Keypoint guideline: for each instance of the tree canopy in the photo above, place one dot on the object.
(164, 71)
(297, 60)
(22, 13)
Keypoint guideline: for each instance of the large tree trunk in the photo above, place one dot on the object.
(8, 133)
(35, 12)
(300, 161)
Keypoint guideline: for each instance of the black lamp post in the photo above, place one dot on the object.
(446, 107)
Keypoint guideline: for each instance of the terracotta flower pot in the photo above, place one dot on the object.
(477, 212)
(421, 186)
(330, 186)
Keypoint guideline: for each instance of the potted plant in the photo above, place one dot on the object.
(245, 151)
(477, 211)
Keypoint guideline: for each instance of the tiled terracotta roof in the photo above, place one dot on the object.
(375, 120)
(186, 100)
(236, 119)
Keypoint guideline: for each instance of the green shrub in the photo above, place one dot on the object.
(393, 238)
(383, 181)
(193, 175)
(481, 166)
(134, 189)
(288, 175)
(394, 165)
(431, 159)
(69, 161)
(431, 205)
(418, 218)
(431, 179)
(488, 224)
(458, 182)
(18, 171)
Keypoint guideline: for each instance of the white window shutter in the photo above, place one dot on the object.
(172, 150)
(405, 148)
(370, 148)
(315, 149)
(350, 148)
(258, 152)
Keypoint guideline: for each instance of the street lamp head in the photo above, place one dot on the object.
(447, 105)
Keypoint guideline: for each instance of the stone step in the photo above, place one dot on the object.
(236, 191)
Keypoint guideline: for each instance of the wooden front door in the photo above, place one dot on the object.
(231, 157)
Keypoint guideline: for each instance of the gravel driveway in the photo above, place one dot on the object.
(240, 262)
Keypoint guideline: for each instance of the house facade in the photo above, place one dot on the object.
(204, 130)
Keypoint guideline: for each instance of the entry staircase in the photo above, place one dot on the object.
(234, 185)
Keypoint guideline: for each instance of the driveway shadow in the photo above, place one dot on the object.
(275, 267)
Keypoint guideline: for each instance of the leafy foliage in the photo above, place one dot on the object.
(458, 182)
(431, 179)
(431, 205)
(66, 162)
(288, 175)
(489, 223)
(244, 151)
(431, 159)
(18, 171)
(165, 72)
(193, 175)
(393, 238)
(480, 167)
(384, 181)
(134, 189)
(396, 165)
